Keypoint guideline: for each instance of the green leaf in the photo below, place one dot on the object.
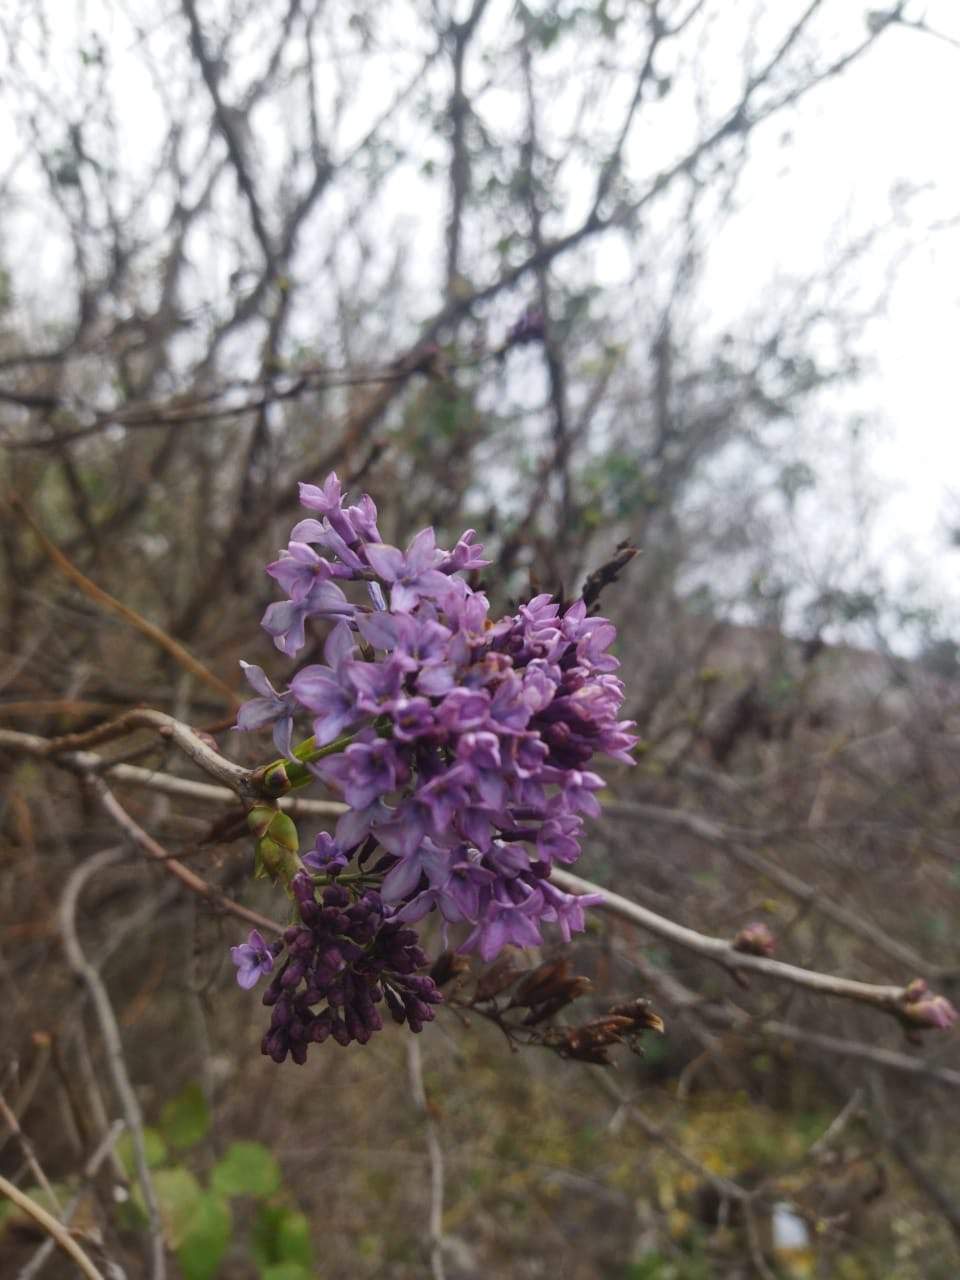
(178, 1192)
(154, 1145)
(293, 1240)
(248, 1169)
(281, 1234)
(185, 1119)
(263, 1237)
(205, 1238)
(286, 1271)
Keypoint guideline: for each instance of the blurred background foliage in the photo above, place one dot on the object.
(471, 255)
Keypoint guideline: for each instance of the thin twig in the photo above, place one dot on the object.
(27, 1147)
(196, 884)
(53, 1228)
(725, 839)
(114, 1045)
(725, 1188)
(851, 1108)
(890, 1059)
(154, 780)
(240, 780)
(90, 1169)
(680, 997)
(415, 1066)
(889, 998)
(107, 601)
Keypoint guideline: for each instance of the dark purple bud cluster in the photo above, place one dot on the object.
(347, 956)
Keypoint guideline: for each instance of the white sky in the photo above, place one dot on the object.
(889, 122)
(892, 120)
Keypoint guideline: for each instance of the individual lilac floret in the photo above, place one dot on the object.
(466, 555)
(326, 856)
(412, 574)
(270, 708)
(253, 958)
(286, 621)
(325, 691)
(299, 569)
(328, 500)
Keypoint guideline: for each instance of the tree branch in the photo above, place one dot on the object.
(114, 1045)
(52, 1227)
(725, 839)
(888, 998)
(196, 884)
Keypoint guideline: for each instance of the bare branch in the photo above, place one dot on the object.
(723, 838)
(196, 884)
(114, 1045)
(889, 999)
(52, 1227)
(415, 1067)
(101, 597)
(104, 1149)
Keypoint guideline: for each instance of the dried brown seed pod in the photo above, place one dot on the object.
(447, 966)
(502, 973)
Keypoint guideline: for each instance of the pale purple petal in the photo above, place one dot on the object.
(386, 562)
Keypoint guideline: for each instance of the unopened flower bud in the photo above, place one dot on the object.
(259, 819)
(922, 1009)
(276, 781)
(755, 939)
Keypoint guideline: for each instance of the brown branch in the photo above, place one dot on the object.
(78, 707)
(888, 998)
(552, 349)
(30, 1155)
(154, 633)
(52, 1227)
(674, 993)
(90, 1169)
(725, 839)
(196, 884)
(227, 125)
(607, 573)
(239, 780)
(110, 1031)
(458, 112)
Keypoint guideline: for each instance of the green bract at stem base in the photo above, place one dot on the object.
(281, 776)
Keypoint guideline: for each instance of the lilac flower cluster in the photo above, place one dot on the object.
(468, 740)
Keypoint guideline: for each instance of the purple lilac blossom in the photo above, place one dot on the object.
(270, 708)
(474, 738)
(253, 958)
(326, 856)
